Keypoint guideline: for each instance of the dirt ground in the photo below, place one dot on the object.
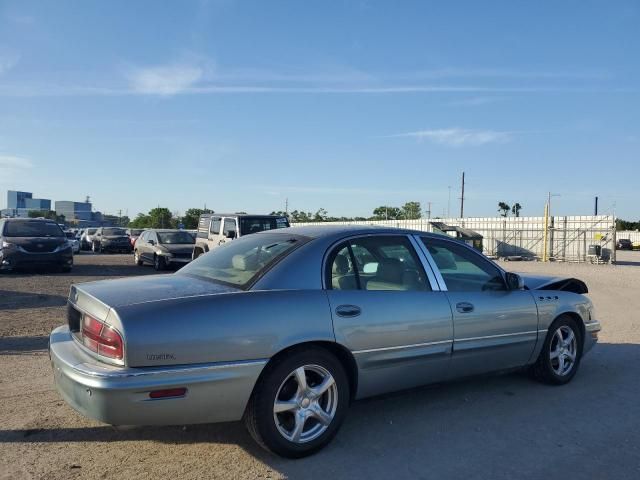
(497, 427)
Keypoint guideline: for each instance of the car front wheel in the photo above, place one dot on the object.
(136, 258)
(159, 263)
(561, 353)
(299, 403)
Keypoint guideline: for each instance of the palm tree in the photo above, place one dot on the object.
(503, 208)
(516, 209)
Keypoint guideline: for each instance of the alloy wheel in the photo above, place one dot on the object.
(305, 404)
(563, 350)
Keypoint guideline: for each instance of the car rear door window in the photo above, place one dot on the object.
(229, 226)
(376, 263)
(462, 269)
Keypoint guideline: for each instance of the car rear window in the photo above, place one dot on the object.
(32, 229)
(240, 262)
(114, 231)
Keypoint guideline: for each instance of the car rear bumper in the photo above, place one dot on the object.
(216, 392)
(18, 259)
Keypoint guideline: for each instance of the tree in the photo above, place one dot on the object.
(503, 208)
(516, 209)
(120, 221)
(141, 221)
(411, 210)
(192, 217)
(387, 213)
(49, 214)
(161, 217)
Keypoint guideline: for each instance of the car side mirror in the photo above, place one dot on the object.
(231, 234)
(515, 281)
(152, 242)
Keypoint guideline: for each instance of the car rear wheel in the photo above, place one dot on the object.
(299, 403)
(136, 258)
(561, 353)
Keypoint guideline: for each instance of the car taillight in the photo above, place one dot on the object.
(101, 338)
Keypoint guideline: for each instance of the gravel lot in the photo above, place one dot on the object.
(493, 427)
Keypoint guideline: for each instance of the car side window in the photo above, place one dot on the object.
(381, 262)
(462, 269)
(215, 225)
(229, 225)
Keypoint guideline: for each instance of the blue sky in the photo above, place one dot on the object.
(344, 105)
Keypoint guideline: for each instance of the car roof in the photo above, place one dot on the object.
(216, 214)
(163, 230)
(326, 231)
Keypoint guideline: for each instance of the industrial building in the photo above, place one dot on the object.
(19, 204)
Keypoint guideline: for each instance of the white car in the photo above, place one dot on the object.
(75, 243)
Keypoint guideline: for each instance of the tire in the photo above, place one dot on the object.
(158, 263)
(96, 247)
(136, 259)
(280, 432)
(557, 365)
(196, 253)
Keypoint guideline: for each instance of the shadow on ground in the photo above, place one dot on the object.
(23, 345)
(14, 300)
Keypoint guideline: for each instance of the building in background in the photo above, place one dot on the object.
(74, 211)
(19, 204)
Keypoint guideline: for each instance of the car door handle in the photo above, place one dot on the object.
(348, 311)
(464, 307)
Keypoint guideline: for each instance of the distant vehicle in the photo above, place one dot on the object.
(111, 239)
(86, 240)
(134, 233)
(283, 329)
(164, 248)
(624, 244)
(33, 242)
(75, 243)
(215, 229)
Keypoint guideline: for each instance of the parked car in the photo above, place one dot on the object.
(33, 243)
(111, 239)
(624, 244)
(164, 248)
(75, 243)
(215, 229)
(134, 233)
(86, 240)
(285, 327)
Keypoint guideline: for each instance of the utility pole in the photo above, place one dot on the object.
(286, 206)
(595, 209)
(462, 198)
(429, 210)
(120, 217)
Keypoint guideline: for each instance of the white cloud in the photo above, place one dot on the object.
(458, 137)
(165, 80)
(10, 162)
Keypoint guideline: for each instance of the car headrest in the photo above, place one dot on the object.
(240, 262)
(390, 270)
(340, 265)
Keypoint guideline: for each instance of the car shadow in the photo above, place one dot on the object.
(452, 430)
(15, 300)
(23, 345)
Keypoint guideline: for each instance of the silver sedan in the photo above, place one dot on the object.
(284, 329)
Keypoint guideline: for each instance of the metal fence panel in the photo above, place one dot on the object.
(568, 237)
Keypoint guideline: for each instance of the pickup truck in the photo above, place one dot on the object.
(215, 229)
